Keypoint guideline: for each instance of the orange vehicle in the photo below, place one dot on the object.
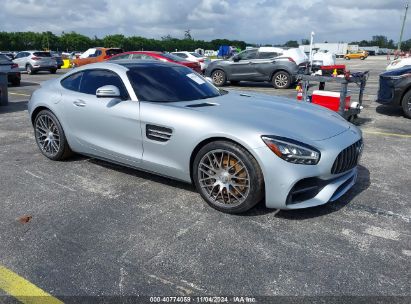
(93, 55)
(357, 55)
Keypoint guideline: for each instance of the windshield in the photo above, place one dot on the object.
(160, 83)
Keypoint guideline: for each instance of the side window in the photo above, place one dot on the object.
(267, 55)
(94, 79)
(247, 55)
(125, 56)
(18, 56)
(72, 82)
(136, 56)
(146, 57)
(182, 55)
(98, 53)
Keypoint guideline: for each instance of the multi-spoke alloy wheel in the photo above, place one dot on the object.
(47, 135)
(224, 177)
(218, 77)
(50, 136)
(281, 80)
(228, 177)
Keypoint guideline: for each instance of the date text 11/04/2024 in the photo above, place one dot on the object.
(203, 299)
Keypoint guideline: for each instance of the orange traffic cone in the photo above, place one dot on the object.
(299, 92)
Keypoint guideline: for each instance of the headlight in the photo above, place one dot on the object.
(292, 151)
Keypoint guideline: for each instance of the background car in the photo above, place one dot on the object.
(395, 89)
(57, 56)
(268, 64)
(399, 63)
(194, 57)
(165, 57)
(237, 149)
(357, 55)
(34, 61)
(10, 55)
(94, 55)
(13, 72)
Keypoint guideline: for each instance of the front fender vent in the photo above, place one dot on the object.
(158, 133)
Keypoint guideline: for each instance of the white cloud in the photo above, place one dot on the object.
(264, 21)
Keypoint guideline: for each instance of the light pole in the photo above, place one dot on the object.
(402, 28)
(311, 49)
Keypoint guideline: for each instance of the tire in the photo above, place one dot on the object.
(406, 104)
(362, 57)
(29, 69)
(234, 82)
(53, 71)
(240, 187)
(50, 136)
(281, 80)
(15, 82)
(219, 78)
(347, 58)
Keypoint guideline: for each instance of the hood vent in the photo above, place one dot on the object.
(201, 105)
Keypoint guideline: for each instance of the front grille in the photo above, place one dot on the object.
(348, 158)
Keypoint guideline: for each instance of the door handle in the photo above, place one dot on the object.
(79, 103)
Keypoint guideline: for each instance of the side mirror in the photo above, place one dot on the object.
(236, 58)
(108, 91)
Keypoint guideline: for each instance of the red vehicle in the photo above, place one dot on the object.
(157, 56)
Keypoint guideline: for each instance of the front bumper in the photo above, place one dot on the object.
(282, 177)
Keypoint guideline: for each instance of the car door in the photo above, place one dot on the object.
(241, 67)
(105, 127)
(20, 60)
(263, 65)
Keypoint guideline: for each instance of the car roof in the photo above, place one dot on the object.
(126, 64)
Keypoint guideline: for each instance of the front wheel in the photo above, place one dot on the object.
(281, 80)
(228, 177)
(50, 136)
(362, 57)
(347, 58)
(219, 78)
(53, 71)
(406, 104)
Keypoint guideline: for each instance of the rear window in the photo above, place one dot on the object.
(173, 57)
(42, 54)
(160, 83)
(196, 55)
(112, 52)
(4, 58)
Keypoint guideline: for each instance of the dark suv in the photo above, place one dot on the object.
(395, 89)
(264, 64)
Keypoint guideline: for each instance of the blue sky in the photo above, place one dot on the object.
(255, 21)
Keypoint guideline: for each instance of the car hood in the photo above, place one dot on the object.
(271, 115)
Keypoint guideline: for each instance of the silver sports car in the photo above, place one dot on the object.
(237, 148)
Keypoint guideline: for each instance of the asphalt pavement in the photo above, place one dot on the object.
(97, 229)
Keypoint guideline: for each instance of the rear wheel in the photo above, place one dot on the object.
(50, 136)
(347, 58)
(362, 57)
(53, 71)
(281, 80)
(219, 78)
(406, 104)
(228, 177)
(29, 69)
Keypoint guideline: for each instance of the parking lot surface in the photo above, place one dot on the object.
(94, 228)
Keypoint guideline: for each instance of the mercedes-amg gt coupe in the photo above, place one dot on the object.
(237, 148)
